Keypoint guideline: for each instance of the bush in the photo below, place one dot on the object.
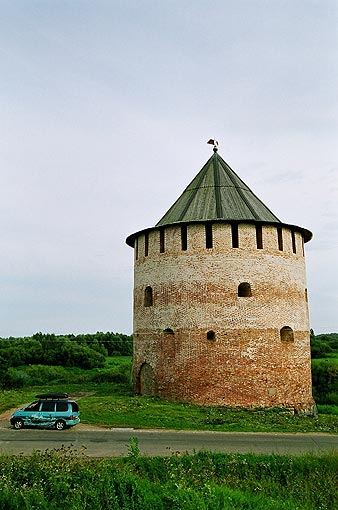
(15, 378)
(323, 345)
(325, 382)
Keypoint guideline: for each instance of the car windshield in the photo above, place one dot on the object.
(34, 406)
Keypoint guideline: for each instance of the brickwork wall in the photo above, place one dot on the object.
(196, 291)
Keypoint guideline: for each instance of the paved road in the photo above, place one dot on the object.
(115, 442)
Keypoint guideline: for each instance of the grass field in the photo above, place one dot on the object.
(107, 399)
(65, 480)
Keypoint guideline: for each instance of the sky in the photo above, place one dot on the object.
(105, 110)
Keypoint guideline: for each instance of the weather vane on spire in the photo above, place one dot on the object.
(214, 143)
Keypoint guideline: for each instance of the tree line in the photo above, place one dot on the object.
(84, 351)
(324, 345)
(89, 351)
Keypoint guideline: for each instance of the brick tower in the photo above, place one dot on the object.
(220, 300)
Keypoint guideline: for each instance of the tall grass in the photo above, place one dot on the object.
(64, 479)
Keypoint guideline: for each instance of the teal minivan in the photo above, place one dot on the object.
(51, 410)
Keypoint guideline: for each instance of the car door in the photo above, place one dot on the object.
(29, 413)
(46, 415)
(62, 410)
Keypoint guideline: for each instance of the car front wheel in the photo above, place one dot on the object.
(60, 425)
(18, 424)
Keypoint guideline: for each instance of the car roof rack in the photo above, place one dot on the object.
(53, 396)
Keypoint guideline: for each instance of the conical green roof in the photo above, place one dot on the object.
(217, 193)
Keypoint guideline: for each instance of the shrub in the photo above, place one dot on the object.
(15, 378)
(325, 382)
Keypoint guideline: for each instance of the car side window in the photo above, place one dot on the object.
(61, 407)
(34, 406)
(47, 406)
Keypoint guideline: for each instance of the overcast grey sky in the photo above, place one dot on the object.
(105, 110)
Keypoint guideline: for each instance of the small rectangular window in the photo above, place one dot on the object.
(136, 248)
(48, 406)
(293, 237)
(162, 247)
(208, 235)
(259, 237)
(234, 235)
(146, 244)
(184, 237)
(61, 407)
(280, 238)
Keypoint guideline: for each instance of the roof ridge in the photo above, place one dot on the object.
(218, 198)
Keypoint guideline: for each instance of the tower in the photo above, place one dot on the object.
(220, 300)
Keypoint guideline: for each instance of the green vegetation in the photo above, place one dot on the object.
(65, 479)
(324, 346)
(107, 398)
(83, 351)
(324, 352)
(114, 410)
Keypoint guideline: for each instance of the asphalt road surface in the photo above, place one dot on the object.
(115, 442)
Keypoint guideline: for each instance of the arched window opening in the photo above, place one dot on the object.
(184, 237)
(234, 235)
(286, 334)
(259, 237)
(244, 290)
(208, 235)
(211, 335)
(148, 296)
(169, 331)
(306, 298)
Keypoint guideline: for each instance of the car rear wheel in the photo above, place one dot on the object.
(18, 424)
(60, 425)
